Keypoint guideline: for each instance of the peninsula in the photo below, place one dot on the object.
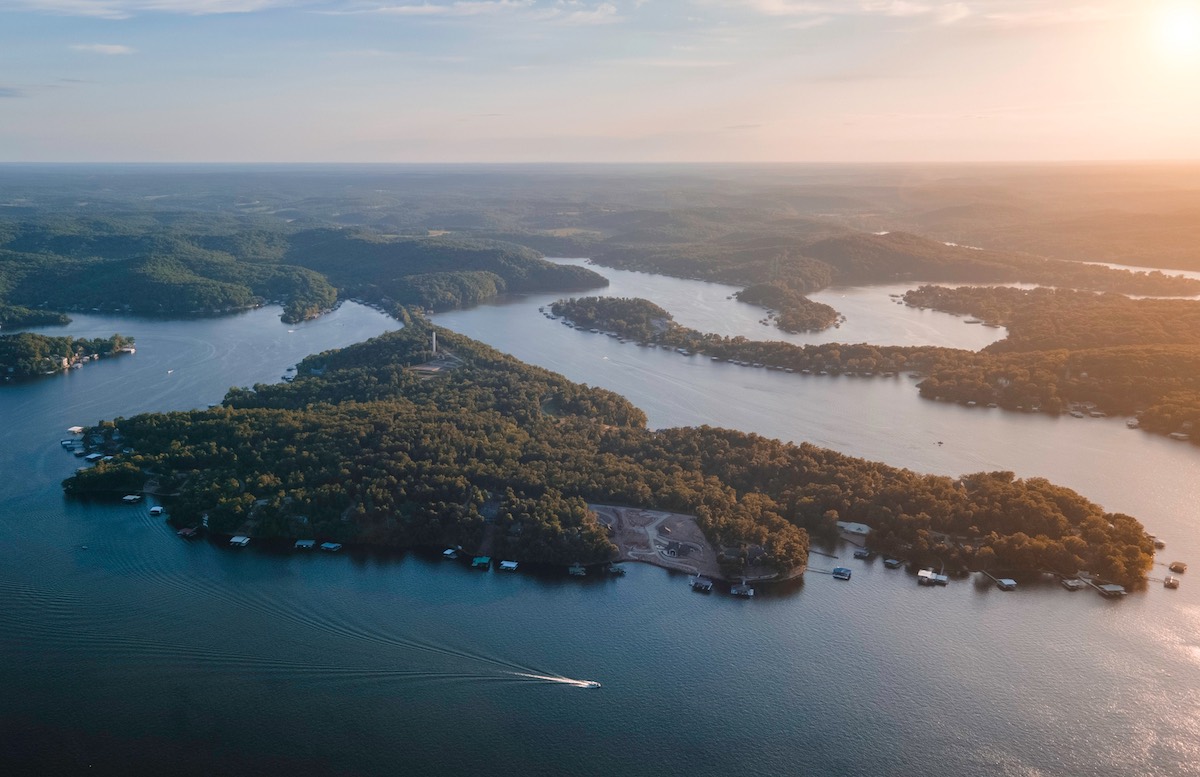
(371, 444)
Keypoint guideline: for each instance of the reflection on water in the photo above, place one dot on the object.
(124, 644)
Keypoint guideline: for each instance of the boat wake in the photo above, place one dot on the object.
(549, 678)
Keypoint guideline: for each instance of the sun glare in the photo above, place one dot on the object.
(1178, 31)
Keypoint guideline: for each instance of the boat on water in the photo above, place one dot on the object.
(1178, 566)
(590, 684)
(841, 573)
(1171, 582)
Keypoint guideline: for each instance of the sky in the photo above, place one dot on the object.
(598, 80)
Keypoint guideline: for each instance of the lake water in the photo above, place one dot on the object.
(125, 649)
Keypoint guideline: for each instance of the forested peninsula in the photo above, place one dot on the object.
(25, 355)
(781, 260)
(366, 447)
(1106, 351)
(187, 264)
(1066, 351)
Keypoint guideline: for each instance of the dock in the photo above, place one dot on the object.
(742, 589)
(1003, 583)
(701, 584)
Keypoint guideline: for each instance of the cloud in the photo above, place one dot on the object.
(124, 9)
(604, 13)
(11, 91)
(459, 8)
(1083, 14)
(109, 49)
(1009, 13)
(675, 63)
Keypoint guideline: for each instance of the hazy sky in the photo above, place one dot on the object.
(598, 80)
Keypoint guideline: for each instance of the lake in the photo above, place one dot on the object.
(126, 648)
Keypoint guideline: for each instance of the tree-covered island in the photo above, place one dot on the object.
(25, 355)
(375, 444)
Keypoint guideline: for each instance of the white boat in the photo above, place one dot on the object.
(156, 510)
(590, 684)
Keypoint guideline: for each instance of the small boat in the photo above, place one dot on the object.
(590, 684)
(1178, 566)
(130, 499)
(841, 573)
(1171, 582)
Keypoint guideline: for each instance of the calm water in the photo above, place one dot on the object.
(126, 649)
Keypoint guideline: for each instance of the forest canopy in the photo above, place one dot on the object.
(363, 448)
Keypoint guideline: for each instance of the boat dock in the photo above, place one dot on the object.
(1003, 583)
